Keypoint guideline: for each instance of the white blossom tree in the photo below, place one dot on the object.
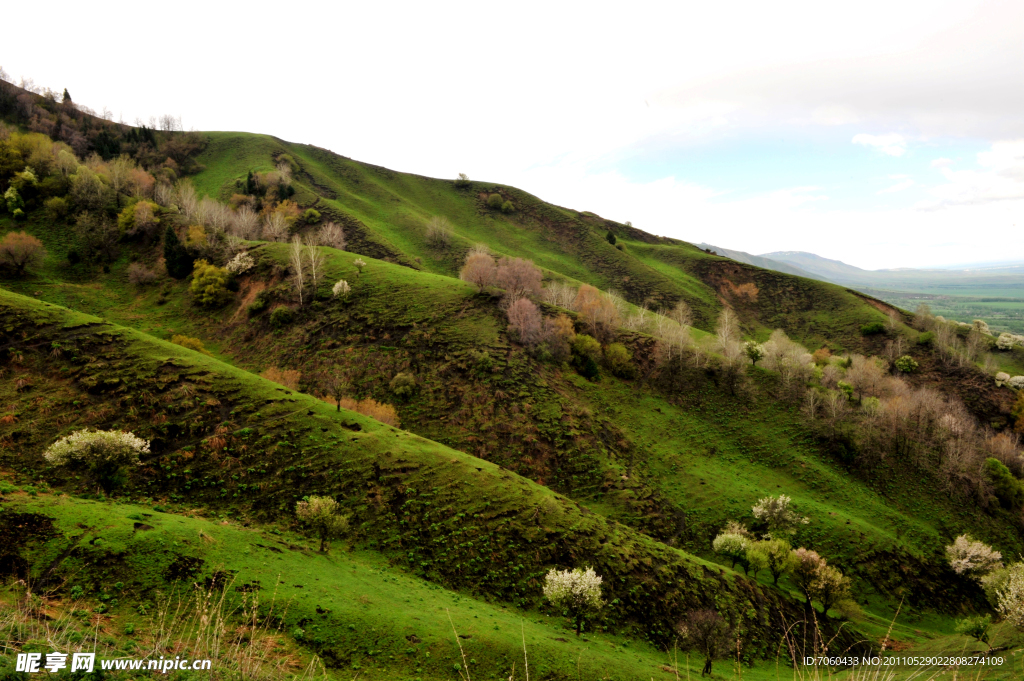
(105, 452)
(340, 289)
(577, 590)
(778, 514)
(972, 558)
(1010, 598)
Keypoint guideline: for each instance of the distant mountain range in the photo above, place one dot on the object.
(814, 266)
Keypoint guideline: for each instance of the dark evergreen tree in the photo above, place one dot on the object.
(67, 97)
(610, 237)
(176, 256)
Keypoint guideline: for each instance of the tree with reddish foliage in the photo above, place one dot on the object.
(19, 251)
(708, 633)
(479, 270)
(519, 278)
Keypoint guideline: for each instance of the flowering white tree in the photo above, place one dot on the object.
(578, 591)
(340, 289)
(972, 558)
(733, 546)
(1010, 598)
(777, 513)
(241, 263)
(1017, 383)
(104, 452)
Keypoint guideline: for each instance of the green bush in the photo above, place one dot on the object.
(18, 214)
(619, 360)
(586, 346)
(507, 207)
(210, 284)
(259, 303)
(281, 316)
(872, 329)
(906, 364)
(610, 236)
(56, 208)
(311, 216)
(462, 181)
(926, 339)
(403, 385)
(1006, 487)
(494, 201)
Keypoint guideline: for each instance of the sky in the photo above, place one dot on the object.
(883, 134)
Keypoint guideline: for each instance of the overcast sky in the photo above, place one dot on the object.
(883, 134)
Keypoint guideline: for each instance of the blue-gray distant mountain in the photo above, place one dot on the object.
(822, 268)
(761, 261)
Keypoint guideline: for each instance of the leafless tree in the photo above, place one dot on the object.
(479, 270)
(892, 320)
(923, 317)
(187, 199)
(559, 293)
(315, 260)
(727, 330)
(439, 232)
(246, 223)
(519, 278)
(524, 320)
(708, 633)
(332, 235)
(275, 227)
(298, 263)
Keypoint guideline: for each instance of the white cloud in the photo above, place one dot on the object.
(1000, 178)
(891, 144)
(904, 183)
(942, 162)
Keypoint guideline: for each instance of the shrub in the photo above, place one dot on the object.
(610, 237)
(403, 385)
(289, 378)
(20, 251)
(439, 232)
(927, 339)
(1006, 487)
(56, 208)
(975, 627)
(906, 364)
(578, 591)
(380, 411)
(140, 275)
(872, 329)
(586, 346)
(462, 181)
(494, 201)
(508, 207)
(14, 202)
(104, 452)
(259, 303)
(311, 216)
(619, 360)
(190, 343)
(281, 316)
(323, 516)
(558, 335)
(209, 284)
(1017, 382)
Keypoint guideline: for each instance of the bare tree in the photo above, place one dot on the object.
(708, 633)
(275, 227)
(334, 382)
(892, 320)
(559, 293)
(518, 277)
(836, 406)
(524, 321)
(120, 173)
(332, 235)
(315, 259)
(727, 331)
(298, 263)
(245, 223)
(479, 270)
(439, 232)
(187, 199)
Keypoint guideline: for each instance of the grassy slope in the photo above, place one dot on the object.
(355, 609)
(408, 496)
